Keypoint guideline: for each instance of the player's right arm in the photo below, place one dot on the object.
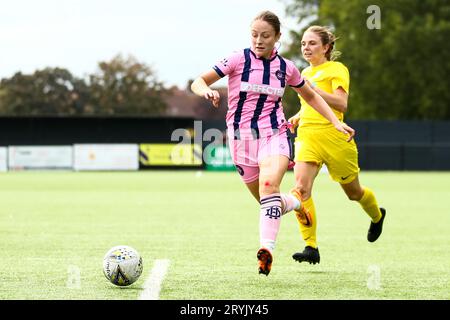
(200, 87)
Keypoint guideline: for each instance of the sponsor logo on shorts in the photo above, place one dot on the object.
(240, 170)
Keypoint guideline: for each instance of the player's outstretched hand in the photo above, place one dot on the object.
(213, 96)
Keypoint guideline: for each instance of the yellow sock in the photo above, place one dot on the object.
(369, 203)
(308, 225)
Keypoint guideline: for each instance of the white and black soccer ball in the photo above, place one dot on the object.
(122, 265)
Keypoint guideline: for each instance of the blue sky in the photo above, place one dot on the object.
(178, 38)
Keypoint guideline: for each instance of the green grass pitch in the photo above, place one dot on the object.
(55, 225)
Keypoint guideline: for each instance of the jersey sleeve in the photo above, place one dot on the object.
(341, 78)
(227, 65)
(294, 78)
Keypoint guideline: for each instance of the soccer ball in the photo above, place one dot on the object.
(122, 265)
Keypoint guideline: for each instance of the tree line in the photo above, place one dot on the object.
(121, 87)
(397, 52)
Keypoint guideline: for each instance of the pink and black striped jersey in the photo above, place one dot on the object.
(255, 90)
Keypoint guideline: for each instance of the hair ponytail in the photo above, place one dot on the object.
(328, 38)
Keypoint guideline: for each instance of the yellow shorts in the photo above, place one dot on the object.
(330, 147)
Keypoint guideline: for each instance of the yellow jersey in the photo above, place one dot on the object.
(328, 76)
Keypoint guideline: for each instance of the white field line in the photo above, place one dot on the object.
(152, 285)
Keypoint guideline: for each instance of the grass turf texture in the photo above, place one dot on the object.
(54, 224)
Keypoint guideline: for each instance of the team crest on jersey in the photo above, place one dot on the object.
(318, 74)
(280, 75)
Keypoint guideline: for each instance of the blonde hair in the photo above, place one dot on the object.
(327, 37)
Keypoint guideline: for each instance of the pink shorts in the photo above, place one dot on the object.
(248, 153)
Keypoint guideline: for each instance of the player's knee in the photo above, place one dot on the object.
(268, 187)
(304, 190)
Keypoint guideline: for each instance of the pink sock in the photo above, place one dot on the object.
(289, 203)
(269, 220)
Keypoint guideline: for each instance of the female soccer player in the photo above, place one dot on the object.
(318, 143)
(256, 126)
